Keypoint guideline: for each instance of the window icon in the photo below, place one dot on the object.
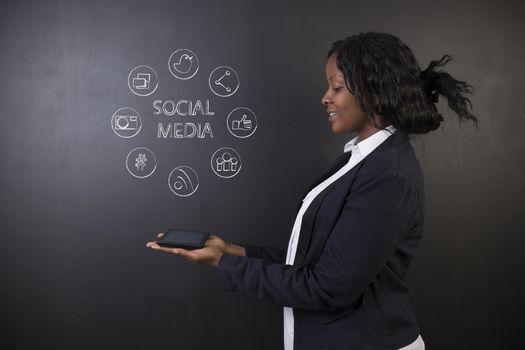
(143, 80)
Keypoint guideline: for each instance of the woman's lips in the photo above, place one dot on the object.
(332, 116)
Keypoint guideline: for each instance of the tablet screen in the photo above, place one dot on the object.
(183, 237)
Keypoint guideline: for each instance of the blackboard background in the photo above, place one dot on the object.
(75, 273)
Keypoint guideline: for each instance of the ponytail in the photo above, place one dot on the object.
(437, 83)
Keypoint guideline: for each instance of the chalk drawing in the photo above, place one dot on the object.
(141, 162)
(224, 81)
(126, 122)
(143, 80)
(183, 64)
(241, 122)
(183, 181)
(182, 107)
(226, 162)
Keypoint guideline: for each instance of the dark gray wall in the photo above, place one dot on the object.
(74, 270)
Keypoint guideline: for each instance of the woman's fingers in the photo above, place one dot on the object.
(188, 254)
(154, 245)
(206, 255)
(213, 248)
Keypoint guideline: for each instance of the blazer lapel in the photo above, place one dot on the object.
(338, 164)
(308, 220)
(398, 137)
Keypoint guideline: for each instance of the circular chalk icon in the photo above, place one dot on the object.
(141, 162)
(226, 162)
(224, 81)
(183, 181)
(183, 64)
(241, 122)
(143, 80)
(126, 122)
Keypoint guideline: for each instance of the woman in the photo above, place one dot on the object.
(340, 279)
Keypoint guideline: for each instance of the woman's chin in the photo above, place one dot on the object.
(336, 129)
(339, 127)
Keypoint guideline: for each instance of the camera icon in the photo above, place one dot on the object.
(126, 122)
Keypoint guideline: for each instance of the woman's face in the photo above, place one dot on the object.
(344, 114)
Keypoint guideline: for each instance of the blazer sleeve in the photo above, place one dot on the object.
(377, 212)
(272, 254)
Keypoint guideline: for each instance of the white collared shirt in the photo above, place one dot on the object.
(359, 151)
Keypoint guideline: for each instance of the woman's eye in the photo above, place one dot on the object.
(338, 88)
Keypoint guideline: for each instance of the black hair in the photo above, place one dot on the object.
(385, 78)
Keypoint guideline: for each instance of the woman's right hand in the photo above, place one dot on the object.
(210, 254)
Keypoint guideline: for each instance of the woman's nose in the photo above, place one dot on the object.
(326, 99)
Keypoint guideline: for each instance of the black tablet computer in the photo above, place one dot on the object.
(176, 238)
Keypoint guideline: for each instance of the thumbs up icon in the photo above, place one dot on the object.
(242, 124)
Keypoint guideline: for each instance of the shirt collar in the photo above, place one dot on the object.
(370, 143)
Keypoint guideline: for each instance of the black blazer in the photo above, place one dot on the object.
(357, 239)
